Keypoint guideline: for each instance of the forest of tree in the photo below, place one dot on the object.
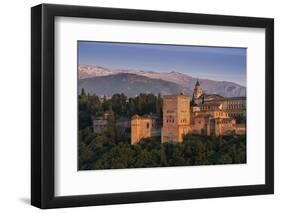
(119, 105)
(110, 150)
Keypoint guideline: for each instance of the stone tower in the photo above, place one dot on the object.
(197, 90)
(176, 118)
(140, 128)
(197, 93)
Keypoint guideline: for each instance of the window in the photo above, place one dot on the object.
(147, 125)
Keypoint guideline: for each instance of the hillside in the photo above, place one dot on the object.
(185, 83)
(129, 84)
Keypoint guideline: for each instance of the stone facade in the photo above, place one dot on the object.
(207, 115)
(235, 106)
(99, 124)
(144, 127)
(176, 118)
(213, 122)
(123, 126)
(197, 94)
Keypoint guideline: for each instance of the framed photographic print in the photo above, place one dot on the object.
(140, 106)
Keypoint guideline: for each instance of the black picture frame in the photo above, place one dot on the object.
(43, 102)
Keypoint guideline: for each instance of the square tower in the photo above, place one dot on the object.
(141, 127)
(176, 118)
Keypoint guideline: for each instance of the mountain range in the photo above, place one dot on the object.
(104, 81)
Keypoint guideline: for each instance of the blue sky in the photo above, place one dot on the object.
(216, 63)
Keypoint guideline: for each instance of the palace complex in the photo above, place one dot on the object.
(205, 114)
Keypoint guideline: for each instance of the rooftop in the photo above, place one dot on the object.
(147, 116)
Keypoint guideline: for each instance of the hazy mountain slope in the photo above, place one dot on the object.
(129, 84)
(185, 82)
(223, 88)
